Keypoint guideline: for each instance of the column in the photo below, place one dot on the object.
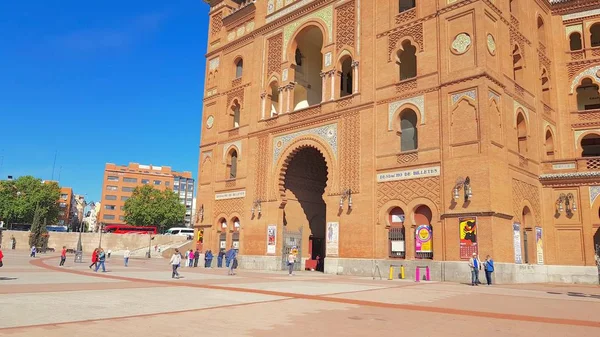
(332, 75)
(281, 91)
(323, 83)
(262, 99)
(355, 76)
(289, 88)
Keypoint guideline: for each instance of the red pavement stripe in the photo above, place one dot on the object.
(460, 312)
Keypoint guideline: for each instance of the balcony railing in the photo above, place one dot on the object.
(576, 165)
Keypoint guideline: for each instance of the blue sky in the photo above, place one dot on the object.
(100, 81)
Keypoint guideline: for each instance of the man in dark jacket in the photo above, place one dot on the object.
(196, 257)
(220, 258)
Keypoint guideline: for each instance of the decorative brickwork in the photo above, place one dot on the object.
(350, 152)
(305, 113)
(261, 168)
(229, 206)
(346, 23)
(238, 94)
(395, 38)
(405, 86)
(274, 49)
(408, 190)
(406, 158)
(216, 24)
(406, 16)
(524, 191)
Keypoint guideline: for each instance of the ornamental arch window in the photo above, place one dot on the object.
(575, 42)
(407, 61)
(232, 164)
(521, 134)
(595, 35)
(409, 133)
(590, 145)
(346, 76)
(588, 95)
(406, 5)
(549, 145)
(239, 68)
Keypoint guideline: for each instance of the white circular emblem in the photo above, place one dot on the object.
(491, 44)
(210, 121)
(330, 133)
(461, 43)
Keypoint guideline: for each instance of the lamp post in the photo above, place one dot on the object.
(79, 252)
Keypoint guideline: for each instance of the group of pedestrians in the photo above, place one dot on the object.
(178, 260)
(476, 265)
(98, 260)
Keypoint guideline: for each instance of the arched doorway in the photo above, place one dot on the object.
(396, 233)
(304, 185)
(235, 235)
(590, 145)
(423, 233)
(528, 235)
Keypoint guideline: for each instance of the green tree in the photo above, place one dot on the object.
(151, 207)
(20, 198)
(39, 233)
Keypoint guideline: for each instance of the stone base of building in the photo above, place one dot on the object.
(451, 271)
(258, 262)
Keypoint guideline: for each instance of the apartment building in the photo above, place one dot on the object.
(119, 182)
(66, 204)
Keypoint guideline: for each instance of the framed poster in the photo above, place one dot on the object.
(423, 239)
(517, 242)
(539, 245)
(468, 237)
(332, 243)
(271, 239)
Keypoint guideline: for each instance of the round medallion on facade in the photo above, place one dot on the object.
(210, 121)
(598, 74)
(491, 44)
(330, 132)
(462, 43)
(279, 144)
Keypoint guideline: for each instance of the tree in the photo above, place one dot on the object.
(151, 207)
(39, 233)
(20, 198)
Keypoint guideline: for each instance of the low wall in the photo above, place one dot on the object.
(90, 241)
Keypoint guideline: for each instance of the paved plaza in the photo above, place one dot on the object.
(38, 298)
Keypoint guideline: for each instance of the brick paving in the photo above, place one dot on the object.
(38, 298)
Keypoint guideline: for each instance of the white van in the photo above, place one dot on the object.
(182, 231)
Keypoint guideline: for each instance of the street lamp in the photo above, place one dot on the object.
(79, 252)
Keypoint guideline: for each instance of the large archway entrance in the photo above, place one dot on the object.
(305, 209)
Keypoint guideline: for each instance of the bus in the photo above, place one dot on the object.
(182, 231)
(126, 229)
(56, 228)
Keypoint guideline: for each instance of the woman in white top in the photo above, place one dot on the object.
(175, 262)
(291, 261)
(126, 256)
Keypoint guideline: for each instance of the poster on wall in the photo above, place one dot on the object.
(271, 243)
(468, 237)
(332, 246)
(423, 239)
(539, 245)
(223, 245)
(517, 242)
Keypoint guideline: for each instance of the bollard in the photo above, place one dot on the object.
(417, 274)
(402, 272)
(427, 274)
(391, 273)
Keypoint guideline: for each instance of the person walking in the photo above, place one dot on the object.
(175, 262)
(196, 257)
(220, 258)
(13, 242)
(489, 269)
(33, 251)
(291, 259)
(475, 265)
(126, 256)
(101, 259)
(63, 256)
(94, 258)
(1, 257)
(231, 257)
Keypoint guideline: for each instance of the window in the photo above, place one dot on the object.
(112, 178)
(124, 198)
(588, 95)
(176, 188)
(274, 97)
(130, 180)
(308, 89)
(167, 183)
(575, 41)
(512, 5)
(346, 77)
(591, 146)
(595, 35)
(545, 86)
(409, 139)
(235, 114)
(239, 68)
(112, 188)
(190, 187)
(549, 145)
(521, 134)
(157, 182)
(122, 218)
(407, 61)
(109, 207)
(127, 189)
(298, 57)
(64, 196)
(541, 30)
(232, 164)
(108, 217)
(182, 187)
(145, 181)
(110, 197)
(404, 5)
(517, 64)
(396, 241)
(63, 204)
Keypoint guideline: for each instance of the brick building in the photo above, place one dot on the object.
(371, 133)
(120, 181)
(66, 205)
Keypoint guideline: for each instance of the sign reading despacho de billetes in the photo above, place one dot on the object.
(230, 195)
(424, 172)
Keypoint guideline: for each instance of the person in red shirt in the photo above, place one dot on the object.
(1, 256)
(94, 258)
(63, 256)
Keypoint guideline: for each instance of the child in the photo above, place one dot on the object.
(63, 256)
